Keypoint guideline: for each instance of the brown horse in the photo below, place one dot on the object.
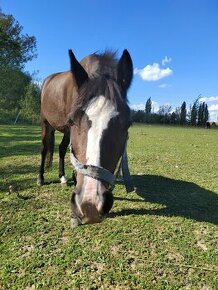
(89, 106)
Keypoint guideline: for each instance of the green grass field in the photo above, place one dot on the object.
(162, 236)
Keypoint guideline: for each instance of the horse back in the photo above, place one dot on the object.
(57, 94)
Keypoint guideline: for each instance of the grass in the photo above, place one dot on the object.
(162, 236)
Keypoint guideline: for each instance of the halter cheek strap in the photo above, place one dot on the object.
(93, 171)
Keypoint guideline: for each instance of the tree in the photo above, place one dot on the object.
(194, 112)
(203, 114)
(30, 102)
(15, 48)
(138, 116)
(173, 118)
(164, 109)
(183, 114)
(148, 107)
(206, 115)
(12, 87)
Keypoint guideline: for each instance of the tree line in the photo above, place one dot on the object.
(19, 94)
(197, 115)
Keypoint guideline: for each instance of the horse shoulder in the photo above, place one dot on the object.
(57, 95)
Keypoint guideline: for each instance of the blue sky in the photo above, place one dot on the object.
(173, 43)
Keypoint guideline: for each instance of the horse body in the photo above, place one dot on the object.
(89, 106)
(56, 100)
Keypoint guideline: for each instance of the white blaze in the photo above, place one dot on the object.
(99, 111)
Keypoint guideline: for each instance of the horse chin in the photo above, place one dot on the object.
(75, 222)
(86, 221)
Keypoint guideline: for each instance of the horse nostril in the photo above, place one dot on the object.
(75, 212)
(90, 213)
(108, 202)
(75, 222)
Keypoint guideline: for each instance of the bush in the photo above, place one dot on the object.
(30, 103)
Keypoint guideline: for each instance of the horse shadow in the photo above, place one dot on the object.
(178, 198)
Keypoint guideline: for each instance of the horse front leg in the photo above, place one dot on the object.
(62, 152)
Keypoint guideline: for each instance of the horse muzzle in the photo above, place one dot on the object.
(90, 211)
(85, 212)
(90, 217)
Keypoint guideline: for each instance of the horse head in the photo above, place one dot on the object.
(100, 119)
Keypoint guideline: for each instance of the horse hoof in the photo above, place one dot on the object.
(63, 180)
(40, 182)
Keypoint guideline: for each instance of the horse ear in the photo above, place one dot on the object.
(78, 71)
(125, 70)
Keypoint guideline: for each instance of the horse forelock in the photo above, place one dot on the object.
(99, 86)
(99, 64)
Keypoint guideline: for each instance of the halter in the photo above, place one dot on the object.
(96, 172)
(100, 173)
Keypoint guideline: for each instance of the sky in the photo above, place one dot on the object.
(173, 43)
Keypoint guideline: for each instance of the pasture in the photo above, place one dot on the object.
(162, 236)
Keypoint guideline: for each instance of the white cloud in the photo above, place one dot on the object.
(153, 72)
(213, 107)
(213, 111)
(164, 86)
(166, 60)
(154, 106)
(209, 99)
(212, 114)
(137, 107)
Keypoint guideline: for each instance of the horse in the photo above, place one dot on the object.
(88, 104)
(207, 125)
